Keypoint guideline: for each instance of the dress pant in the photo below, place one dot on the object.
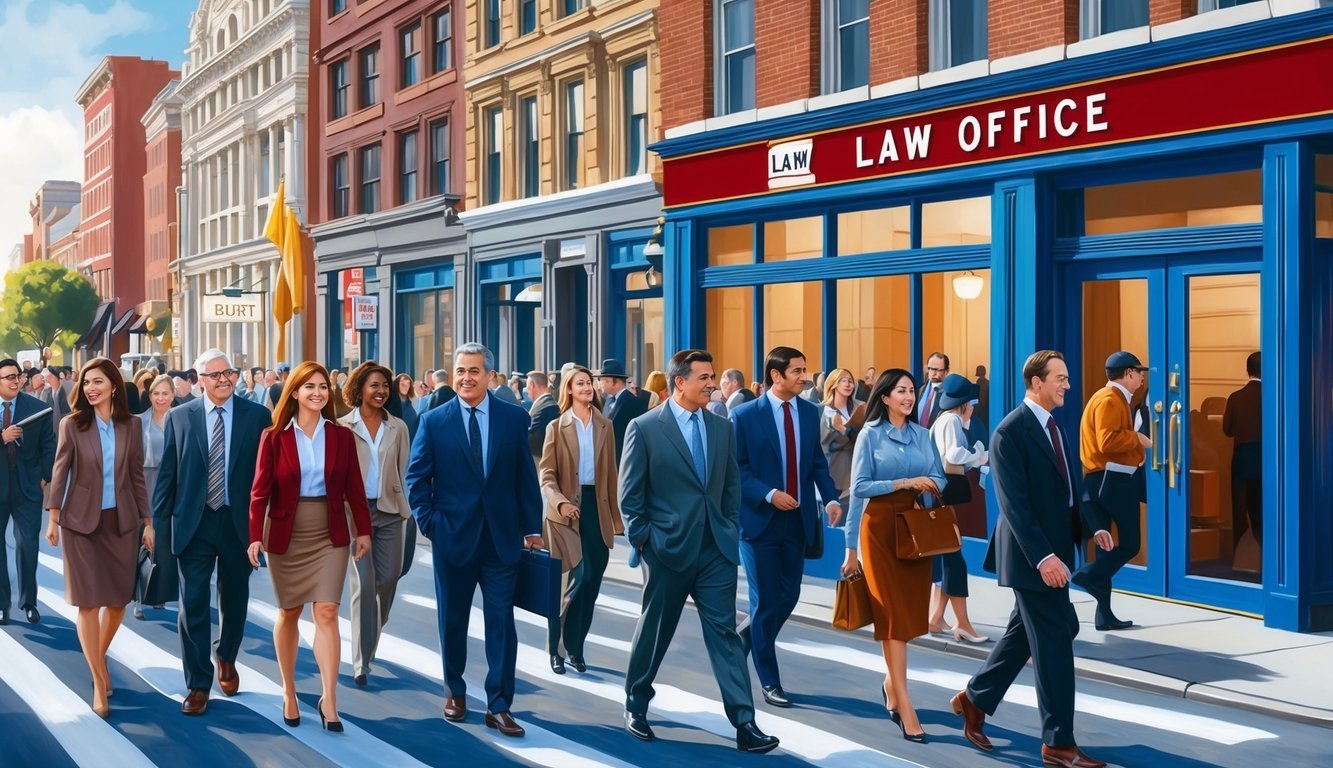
(27, 517)
(215, 545)
(374, 583)
(584, 582)
(1042, 627)
(950, 572)
(1095, 575)
(1247, 471)
(774, 563)
(711, 582)
(455, 585)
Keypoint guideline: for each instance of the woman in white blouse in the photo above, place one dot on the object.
(958, 397)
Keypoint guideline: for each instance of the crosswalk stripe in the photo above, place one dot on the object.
(88, 739)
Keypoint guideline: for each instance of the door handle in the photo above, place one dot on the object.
(1173, 446)
(1153, 429)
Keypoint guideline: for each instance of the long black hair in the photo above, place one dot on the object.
(887, 381)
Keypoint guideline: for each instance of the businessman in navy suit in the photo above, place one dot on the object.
(473, 489)
(202, 502)
(781, 465)
(1032, 551)
(25, 466)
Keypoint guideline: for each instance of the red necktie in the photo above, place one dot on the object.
(789, 428)
(1059, 451)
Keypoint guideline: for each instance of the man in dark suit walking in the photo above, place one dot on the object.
(781, 464)
(202, 502)
(544, 410)
(1242, 421)
(442, 393)
(618, 403)
(928, 407)
(26, 459)
(680, 495)
(1032, 551)
(473, 489)
(56, 395)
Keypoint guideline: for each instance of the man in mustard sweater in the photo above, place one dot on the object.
(1111, 451)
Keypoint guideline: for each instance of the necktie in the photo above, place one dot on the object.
(474, 439)
(11, 449)
(697, 448)
(1059, 450)
(789, 439)
(217, 463)
(930, 407)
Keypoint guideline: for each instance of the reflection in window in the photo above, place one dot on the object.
(430, 321)
(1198, 201)
(956, 222)
(794, 239)
(728, 246)
(1102, 17)
(794, 317)
(1323, 198)
(874, 323)
(730, 309)
(881, 229)
(960, 328)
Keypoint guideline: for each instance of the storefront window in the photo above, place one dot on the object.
(1197, 201)
(730, 313)
(794, 239)
(881, 229)
(874, 323)
(728, 246)
(794, 317)
(1323, 198)
(430, 323)
(956, 222)
(958, 327)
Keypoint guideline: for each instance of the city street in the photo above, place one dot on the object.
(572, 720)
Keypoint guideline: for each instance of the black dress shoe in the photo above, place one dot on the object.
(33, 615)
(774, 695)
(578, 664)
(557, 664)
(1112, 625)
(638, 727)
(750, 739)
(138, 611)
(360, 681)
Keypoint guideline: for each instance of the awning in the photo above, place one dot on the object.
(101, 322)
(123, 322)
(140, 325)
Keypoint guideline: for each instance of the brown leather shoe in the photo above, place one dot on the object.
(973, 720)
(228, 680)
(196, 703)
(504, 723)
(455, 709)
(1068, 757)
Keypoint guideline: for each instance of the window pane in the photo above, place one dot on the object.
(738, 23)
(794, 239)
(728, 309)
(531, 167)
(967, 31)
(1116, 15)
(370, 179)
(793, 317)
(956, 222)
(338, 81)
(411, 42)
(874, 323)
(439, 157)
(1323, 199)
(444, 41)
(731, 245)
(573, 159)
(740, 80)
(1198, 201)
(854, 55)
(370, 76)
(527, 16)
(494, 132)
(882, 229)
(492, 22)
(407, 168)
(636, 118)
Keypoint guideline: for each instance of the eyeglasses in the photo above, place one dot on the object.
(229, 373)
(937, 370)
(10, 377)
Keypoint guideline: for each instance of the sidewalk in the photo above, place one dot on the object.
(1172, 649)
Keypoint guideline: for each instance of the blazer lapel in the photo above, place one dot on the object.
(1042, 437)
(330, 455)
(569, 434)
(672, 430)
(201, 433)
(770, 428)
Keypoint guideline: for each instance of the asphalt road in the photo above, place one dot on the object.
(572, 720)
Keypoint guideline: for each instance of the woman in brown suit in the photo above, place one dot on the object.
(579, 480)
(307, 476)
(99, 498)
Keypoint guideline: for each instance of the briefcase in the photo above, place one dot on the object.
(921, 532)
(814, 549)
(149, 582)
(851, 603)
(538, 587)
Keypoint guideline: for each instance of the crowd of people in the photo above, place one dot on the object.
(326, 477)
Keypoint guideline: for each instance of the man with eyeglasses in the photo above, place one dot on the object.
(928, 402)
(25, 469)
(201, 505)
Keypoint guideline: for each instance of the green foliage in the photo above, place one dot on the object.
(45, 304)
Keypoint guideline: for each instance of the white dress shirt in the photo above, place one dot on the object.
(372, 471)
(310, 452)
(587, 464)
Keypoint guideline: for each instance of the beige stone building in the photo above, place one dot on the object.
(562, 194)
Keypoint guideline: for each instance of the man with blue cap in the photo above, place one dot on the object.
(1112, 451)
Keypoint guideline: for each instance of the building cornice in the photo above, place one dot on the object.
(561, 203)
(95, 83)
(290, 24)
(588, 38)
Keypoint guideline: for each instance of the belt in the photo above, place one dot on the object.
(312, 498)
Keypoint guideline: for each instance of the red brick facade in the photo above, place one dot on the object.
(1164, 11)
(899, 37)
(786, 50)
(1019, 26)
(685, 30)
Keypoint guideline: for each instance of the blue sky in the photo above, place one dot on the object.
(50, 47)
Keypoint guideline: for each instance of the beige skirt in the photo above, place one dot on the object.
(312, 570)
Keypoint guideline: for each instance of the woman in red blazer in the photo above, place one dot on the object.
(306, 479)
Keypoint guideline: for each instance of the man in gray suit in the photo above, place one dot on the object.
(680, 494)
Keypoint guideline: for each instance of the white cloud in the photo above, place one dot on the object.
(49, 51)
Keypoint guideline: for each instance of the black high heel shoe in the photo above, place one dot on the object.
(918, 738)
(291, 722)
(334, 726)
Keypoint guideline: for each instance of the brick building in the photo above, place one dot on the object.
(162, 129)
(874, 181)
(386, 109)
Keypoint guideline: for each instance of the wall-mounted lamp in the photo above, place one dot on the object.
(968, 285)
(653, 249)
(450, 216)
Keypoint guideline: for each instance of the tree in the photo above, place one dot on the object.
(46, 304)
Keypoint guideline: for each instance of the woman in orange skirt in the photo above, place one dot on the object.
(895, 458)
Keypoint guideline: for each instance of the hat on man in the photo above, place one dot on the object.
(284, 368)
(1124, 359)
(956, 390)
(612, 369)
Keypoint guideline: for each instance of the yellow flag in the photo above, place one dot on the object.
(275, 229)
(284, 232)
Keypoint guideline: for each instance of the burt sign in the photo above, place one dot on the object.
(1230, 91)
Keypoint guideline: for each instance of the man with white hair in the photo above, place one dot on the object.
(201, 510)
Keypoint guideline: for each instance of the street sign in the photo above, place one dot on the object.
(232, 309)
(365, 313)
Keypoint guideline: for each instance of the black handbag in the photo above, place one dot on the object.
(957, 490)
(538, 587)
(149, 582)
(814, 549)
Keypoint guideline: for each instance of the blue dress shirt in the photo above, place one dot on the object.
(106, 430)
(211, 420)
(687, 428)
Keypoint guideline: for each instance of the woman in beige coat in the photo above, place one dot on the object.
(579, 481)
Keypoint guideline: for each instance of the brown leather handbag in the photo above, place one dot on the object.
(851, 603)
(923, 532)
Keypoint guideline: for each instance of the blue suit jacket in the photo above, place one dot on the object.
(452, 498)
(182, 478)
(36, 452)
(759, 458)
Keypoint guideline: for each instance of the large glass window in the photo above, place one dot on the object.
(570, 6)
(956, 222)
(794, 239)
(794, 317)
(370, 76)
(529, 147)
(439, 157)
(411, 55)
(957, 31)
(407, 167)
(846, 44)
(727, 310)
(492, 181)
(338, 84)
(527, 16)
(370, 178)
(735, 81)
(636, 118)
(873, 231)
(573, 159)
(954, 324)
(429, 317)
(874, 323)
(443, 55)
(1198, 201)
(340, 202)
(1101, 17)
(729, 246)
(492, 23)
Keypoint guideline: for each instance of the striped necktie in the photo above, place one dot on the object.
(217, 463)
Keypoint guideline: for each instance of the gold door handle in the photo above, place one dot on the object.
(1173, 446)
(1152, 435)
